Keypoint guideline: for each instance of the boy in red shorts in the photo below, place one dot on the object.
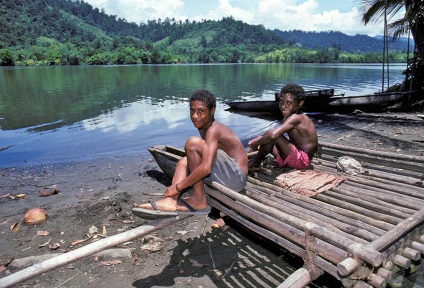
(297, 150)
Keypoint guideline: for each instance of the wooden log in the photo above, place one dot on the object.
(370, 202)
(402, 203)
(393, 235)
(363, 252)
(420, 238)
(411, 253)
(368, 255)
(373, 175)
(374, 153)
(300, 278)
(412, 191)
(358, 209)
(397, 247)
(90, 249)
(402, 261)
(388, 265)
(386, 274)
(347, 266)
(281, 228)
(288, 245)
(376, 280)
(361, 284)
(376, 163)
(411, 182)
(417, 246)
(369, 231)
(354, 233)
(345, 212)
(330, 166)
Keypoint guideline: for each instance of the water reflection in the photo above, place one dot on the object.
(53, 114)
(143, 113)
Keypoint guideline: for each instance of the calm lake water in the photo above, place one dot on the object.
(60, 114)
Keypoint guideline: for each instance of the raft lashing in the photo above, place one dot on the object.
(361, 232)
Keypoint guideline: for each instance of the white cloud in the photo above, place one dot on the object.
(141, 11)
(273, 14)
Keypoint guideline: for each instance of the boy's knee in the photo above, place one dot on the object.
(192, 142)
(183, 161)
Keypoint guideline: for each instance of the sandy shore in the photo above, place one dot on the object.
(100, 193)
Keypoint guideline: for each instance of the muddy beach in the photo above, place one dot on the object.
(93, 201)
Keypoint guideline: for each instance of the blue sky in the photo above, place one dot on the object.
(307, 15)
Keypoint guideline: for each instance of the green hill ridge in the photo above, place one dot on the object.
(72, 32)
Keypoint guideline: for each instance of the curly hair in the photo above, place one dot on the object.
(295, 89)
(204, 96)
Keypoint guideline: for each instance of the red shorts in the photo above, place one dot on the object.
(297, 159)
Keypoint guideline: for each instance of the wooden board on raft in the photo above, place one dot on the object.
(360, 232)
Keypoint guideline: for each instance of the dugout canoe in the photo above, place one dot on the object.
(360, 232)
(369, 102)
(315, 100)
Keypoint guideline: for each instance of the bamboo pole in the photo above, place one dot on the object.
(411, 253)
(368, 255)
(411, 186)
(417, 246)
(412, 191)
(315, 208)
(403, 204)
(356, 234)
(393, 235)
(390, 155)
(290, 246)
(378, 174)
(369, 202)
(383, 176)
(90, 249)
(377, 163)
(281, 228)
(300, 278)
(354, 215)
(358, 209)
(403, 201)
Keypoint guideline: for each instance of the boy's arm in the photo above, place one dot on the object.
(274, 133)
(210, 148)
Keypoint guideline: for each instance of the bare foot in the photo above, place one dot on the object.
(167, 204)
(170, 205)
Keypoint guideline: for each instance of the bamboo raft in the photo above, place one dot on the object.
(361, 232)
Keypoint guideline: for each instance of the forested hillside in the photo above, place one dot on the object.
(352, 44)
(72, 32)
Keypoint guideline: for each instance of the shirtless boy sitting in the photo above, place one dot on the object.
(296, 151)
(218, 154)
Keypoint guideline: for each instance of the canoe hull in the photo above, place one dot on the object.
(370, 102)
(315, 100)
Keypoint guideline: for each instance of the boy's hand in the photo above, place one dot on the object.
(171, 191)
(252, 145)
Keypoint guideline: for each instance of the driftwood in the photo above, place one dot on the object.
(90, 249)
